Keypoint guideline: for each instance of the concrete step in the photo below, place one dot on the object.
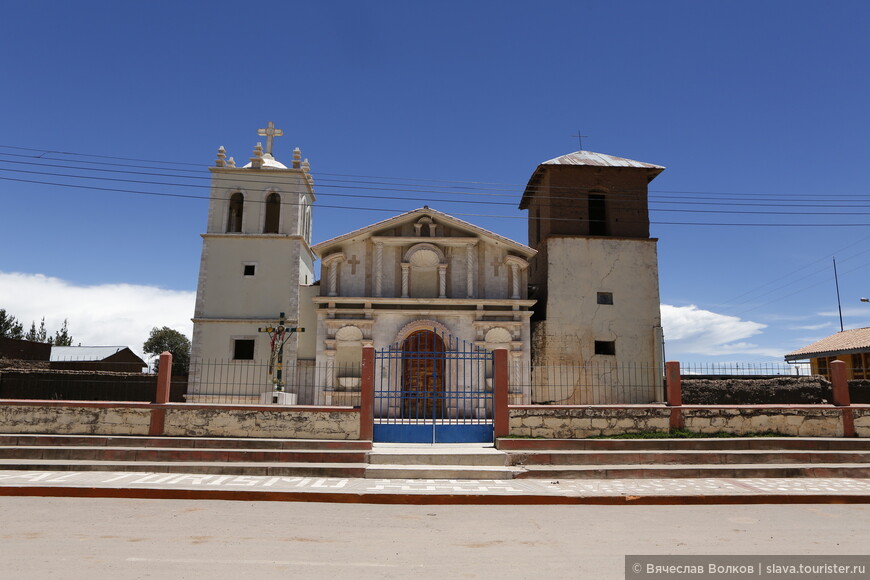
(184, 442)
(826, 470)
(439, 472)
(82, 453)
(686, 457)
(491, 459)
(717, 443)
(343, 470)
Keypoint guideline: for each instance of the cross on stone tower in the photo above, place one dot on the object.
(269, 133)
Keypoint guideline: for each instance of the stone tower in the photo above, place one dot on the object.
(595, 276)
(256, 262)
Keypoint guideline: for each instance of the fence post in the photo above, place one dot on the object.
(367, 394)
(500, 415)
(164, 374)
(674, 393)
(161, 397)
(840, 392)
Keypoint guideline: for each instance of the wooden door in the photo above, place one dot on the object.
(423, 375)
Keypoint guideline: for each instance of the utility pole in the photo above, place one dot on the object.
(278, 337)
(837, 282)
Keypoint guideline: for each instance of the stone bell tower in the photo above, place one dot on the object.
(595, 276)
(256, 259)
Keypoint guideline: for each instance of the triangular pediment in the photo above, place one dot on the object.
(408, 225)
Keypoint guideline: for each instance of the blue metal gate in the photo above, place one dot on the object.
(433, 388)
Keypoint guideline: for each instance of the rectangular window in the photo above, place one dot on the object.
(607, 347)
(243, 349)
(597, 215)
(250, 269)
(605, 297)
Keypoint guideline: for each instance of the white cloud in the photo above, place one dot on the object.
(813, 326)
(692, 331)
(104, 315)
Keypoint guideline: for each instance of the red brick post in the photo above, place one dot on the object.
(839, 383)
(161, 397)
(164, 374)
(500, 415)
(840, 392)
(674, 393)
(367, 394)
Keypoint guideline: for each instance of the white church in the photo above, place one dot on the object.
(583, 291)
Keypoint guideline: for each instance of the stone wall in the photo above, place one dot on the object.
(81, 419)
(177, 420)
(579, 422)
(862, 421)
(796, 421)
(567, 422)
(289, 423)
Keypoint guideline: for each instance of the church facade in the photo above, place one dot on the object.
(585, 289)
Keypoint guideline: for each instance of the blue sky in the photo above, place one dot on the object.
(752, 106)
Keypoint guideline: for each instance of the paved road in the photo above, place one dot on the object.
(77, 538)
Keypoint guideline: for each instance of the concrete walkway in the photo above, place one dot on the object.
(433, 491)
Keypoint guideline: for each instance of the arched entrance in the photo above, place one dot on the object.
(423, 375)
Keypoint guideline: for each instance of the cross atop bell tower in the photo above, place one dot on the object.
(270, 132)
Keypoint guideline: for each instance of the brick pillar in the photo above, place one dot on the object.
(674, 393)
(367, 394)
(500, 415)
(161, 397)
(840, 392)
(164, 374)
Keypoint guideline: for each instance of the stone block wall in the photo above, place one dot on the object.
(795, 421)
(862, 421)
(202, 421)
(579, 422)
(82, 419)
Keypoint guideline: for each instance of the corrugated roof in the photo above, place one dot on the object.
(599, 159)
(83, 353)
(845, 342)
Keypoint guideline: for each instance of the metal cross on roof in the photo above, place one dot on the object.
(580, 137)
(269, 133)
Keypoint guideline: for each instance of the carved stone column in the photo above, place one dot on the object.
(515, 274)
(379, 268)
(330, 369)
(406, 271)
(442, 280)
(469, 270)
(332, 262)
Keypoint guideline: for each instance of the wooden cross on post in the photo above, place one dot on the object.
(270, 132)
(278, 336)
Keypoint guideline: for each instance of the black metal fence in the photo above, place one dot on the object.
(67, 385)
(221, 381)
(603, 383)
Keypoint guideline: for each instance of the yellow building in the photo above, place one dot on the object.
(849, 346)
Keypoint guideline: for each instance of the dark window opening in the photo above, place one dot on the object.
(250, 269)
(607, 347)
(234, 220)
(605, 297)
(243, 349)
(597, 215)
(273, 213)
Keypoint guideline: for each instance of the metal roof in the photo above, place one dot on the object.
(83, 353)
(599, 159)
(845, 342)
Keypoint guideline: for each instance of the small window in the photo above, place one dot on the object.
(250, 269)
(606, 347)
(605, 297)
(243, 349)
